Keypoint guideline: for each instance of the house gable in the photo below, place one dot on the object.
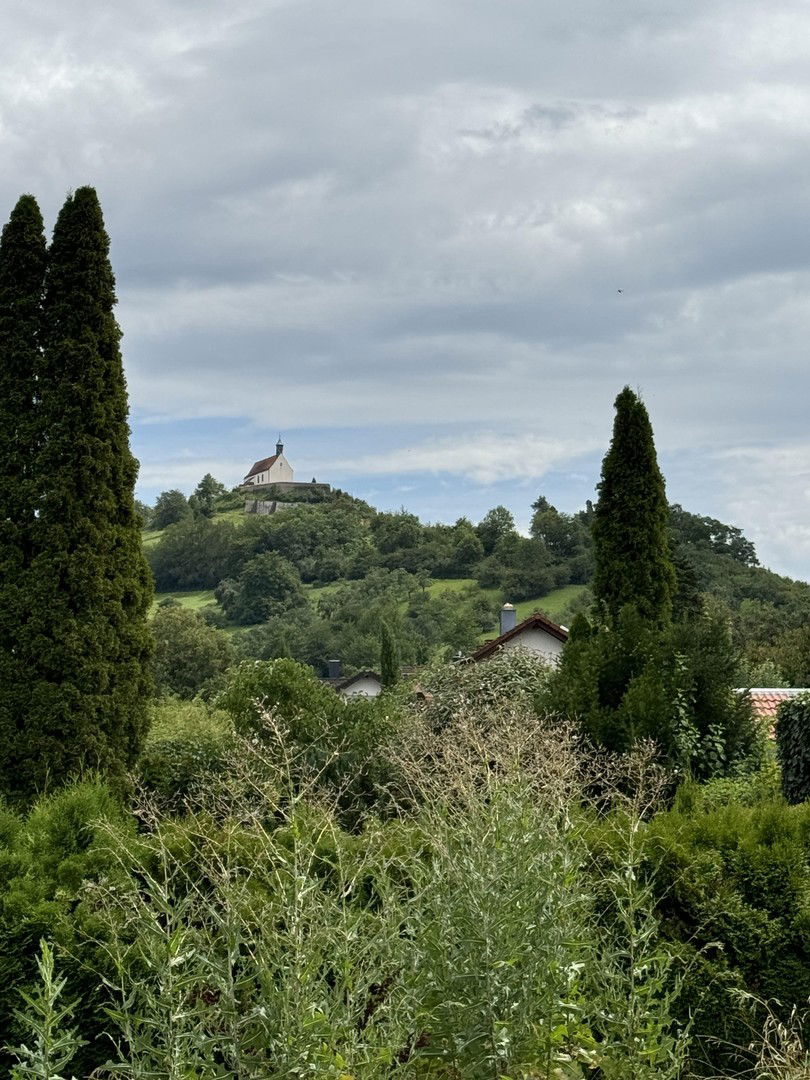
(537, 634)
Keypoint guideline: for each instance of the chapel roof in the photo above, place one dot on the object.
(265, 463)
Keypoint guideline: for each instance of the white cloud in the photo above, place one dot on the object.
(484, 459)
(769, 489)
(186, 472)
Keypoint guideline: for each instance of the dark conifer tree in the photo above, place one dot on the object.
(22, 271)
(389, 657)
(630, 522)
(635, 674)
(87, 642)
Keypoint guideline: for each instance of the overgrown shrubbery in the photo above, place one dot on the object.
(732, 874)
(46, 861)
(256, 938)
(188, 743)
(633, 681)
(793, 747)
(342, 741)
(440, 882)
(190, 656)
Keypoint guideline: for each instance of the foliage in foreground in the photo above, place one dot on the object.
(52, 1044)
(793, 747)
(256, 938)
(732, 862)
(439, 883)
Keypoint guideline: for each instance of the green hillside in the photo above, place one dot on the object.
(347, 567)
(553, 604)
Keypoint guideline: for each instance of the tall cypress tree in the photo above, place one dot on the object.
(630, 522)
(87, 643)
(634, 674)
(389, 657)
(22, 272)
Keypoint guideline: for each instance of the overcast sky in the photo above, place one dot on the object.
(396, 231)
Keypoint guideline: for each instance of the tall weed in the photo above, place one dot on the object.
(463, 936)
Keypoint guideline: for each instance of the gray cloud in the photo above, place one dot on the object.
(422, 213)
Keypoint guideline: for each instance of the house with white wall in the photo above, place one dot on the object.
(537, 634)
(363, 684)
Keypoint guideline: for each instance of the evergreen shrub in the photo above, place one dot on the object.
(46, 860)
(731, 865)
(793, 747)
(84, 642)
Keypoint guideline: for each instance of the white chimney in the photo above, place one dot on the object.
(508, 618)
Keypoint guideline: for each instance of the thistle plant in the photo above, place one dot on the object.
(52, 1042)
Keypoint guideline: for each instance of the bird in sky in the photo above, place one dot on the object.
(620, 290)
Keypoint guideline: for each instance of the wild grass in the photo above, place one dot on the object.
(466, 935)
(475, 931)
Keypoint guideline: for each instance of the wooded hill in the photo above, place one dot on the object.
(316, 581)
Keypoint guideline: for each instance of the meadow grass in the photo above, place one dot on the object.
(194, 599)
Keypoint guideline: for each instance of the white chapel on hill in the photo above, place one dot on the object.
(271, 470)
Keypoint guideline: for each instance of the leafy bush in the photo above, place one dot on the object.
(268, 585)
(459, 942)
(793, 747)
(190, 656)
(198, 553)
(188, 742)
(335, 743)
(633, 681)
(508, 680)
(289, 689)
(733, 882)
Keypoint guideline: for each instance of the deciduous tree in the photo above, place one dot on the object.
(171, 506)
(268, 585)
(189, 654)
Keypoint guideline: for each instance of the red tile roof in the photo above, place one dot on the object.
(537, 621)
(265, 463)
(766, 700)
